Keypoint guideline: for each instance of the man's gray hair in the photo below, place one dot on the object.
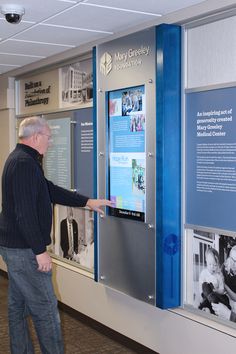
(30, 126)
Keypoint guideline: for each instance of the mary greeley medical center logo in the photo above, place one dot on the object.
(132, 57)
(106, 63)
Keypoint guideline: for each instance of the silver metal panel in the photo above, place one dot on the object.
(126, 255)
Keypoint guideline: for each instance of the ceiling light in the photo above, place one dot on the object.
(121, 9)
(38, 42)
(75, 28)
(23, 55)
(10, 65)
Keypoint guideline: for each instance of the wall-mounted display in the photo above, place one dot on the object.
(83, 151)
(73, 237)
(138, 108)
(38, 93)
(70, 86)
(211, 273)
(211, 157)
(57, 161)
(127, 157)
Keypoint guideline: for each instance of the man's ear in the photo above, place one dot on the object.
(35, 138)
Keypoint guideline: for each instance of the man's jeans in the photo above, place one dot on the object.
(31, 293)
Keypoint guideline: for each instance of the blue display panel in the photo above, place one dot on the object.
(127, 157)
(83, 151)
(168, 167)
(57, 161)
(211, 157)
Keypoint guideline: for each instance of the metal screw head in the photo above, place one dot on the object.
(150, 226)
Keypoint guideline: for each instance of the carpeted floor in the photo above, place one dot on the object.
(79, 337)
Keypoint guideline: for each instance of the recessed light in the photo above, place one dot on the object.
(121, 9)
(75, 28)
(70, 1)
(37, 42)
(9, 65)
(23, 55)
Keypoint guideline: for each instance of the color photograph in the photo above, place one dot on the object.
(132, 101)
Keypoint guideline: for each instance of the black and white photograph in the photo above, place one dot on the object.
(211, 273)
(74, 235)
(76, 84)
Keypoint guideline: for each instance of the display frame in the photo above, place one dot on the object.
(82, 257)
(210, 158)
(198, 242)
(132, 119)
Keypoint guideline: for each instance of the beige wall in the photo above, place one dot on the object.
(7, 120)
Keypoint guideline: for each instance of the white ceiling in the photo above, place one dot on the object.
(53, 26)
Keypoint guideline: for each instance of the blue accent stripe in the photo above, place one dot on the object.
(95, 161)
(168, 162)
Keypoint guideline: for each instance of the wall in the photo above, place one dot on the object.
(7, 119)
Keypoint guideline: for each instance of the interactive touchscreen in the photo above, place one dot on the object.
(127, 158)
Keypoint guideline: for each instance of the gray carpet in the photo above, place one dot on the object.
(79, 337)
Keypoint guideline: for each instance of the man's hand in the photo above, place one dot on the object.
(95, 204)
(221, 311)
(44, 262)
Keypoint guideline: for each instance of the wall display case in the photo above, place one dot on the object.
(138, 110)
(210, 192)
(210, 158)
(210, 171)
(69, 164)
(67, 87)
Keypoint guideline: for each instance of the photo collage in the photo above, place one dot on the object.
(127, 158)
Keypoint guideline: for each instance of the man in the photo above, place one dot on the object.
(25, 225)
(69, 240)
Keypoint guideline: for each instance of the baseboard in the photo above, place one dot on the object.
(99, 327)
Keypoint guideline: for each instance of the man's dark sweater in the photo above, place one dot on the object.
(26, 217)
